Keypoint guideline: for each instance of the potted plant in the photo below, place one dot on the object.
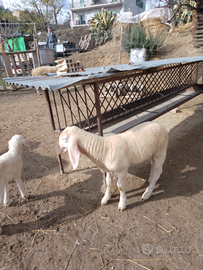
(140, 44)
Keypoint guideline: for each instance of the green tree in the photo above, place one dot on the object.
(27, 19)
(47, 10)
(9, 26)
(41, 10)
(56, 6)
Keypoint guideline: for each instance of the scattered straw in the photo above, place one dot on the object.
(114, 191)
(198, 191)
(102, 260)
(42, 179)
(9, 218)
(157, 224)
(117, 242)
(196, 201)
(73, 218)
(74, 222)
(131, 228)
(38, 231)
(142, 266)
(94, 248)
(158, 229)
(78, 204)
(96, 221)
(142, 260)
(76, 244)
(109, 261)
(117, 226)
(172, 204)
(84, 224)
(14, 258)
(106, 218)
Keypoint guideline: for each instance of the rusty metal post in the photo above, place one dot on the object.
(53, 126)
(98, 109)
(99, 119)
(49, 108)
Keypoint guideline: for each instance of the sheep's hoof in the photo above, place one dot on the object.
(104, 203)
(6, 204)
(146, 195)
(26, 197)
(121, 208)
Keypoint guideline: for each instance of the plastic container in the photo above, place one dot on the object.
(138, 55)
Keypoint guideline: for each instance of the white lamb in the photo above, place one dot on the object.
(43, 70)
(10, 168)
(115, 154)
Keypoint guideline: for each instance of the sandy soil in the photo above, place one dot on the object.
(63, 225)
(177, 44)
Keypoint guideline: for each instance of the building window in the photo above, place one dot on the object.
(140, 4)
(81, 19)
(82, 3)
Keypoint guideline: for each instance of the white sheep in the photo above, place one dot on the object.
(115, 154)
(43, 70)
(10, 168)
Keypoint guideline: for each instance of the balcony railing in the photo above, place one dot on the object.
(94, 3)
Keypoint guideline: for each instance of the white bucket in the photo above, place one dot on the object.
(137, 55)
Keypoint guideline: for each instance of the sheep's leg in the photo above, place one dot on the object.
(6, 195)
(1, 195)
(156, 171)
(121, 187)
(152, 170)
(107, 196)
(20, 186)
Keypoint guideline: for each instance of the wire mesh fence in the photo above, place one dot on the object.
(120, 95)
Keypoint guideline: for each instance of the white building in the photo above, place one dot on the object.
(82, 11)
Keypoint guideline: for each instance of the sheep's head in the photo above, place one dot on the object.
(63, 144)
(18, 139)
(68, 142)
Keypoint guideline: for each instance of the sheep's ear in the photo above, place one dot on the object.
(74, 153)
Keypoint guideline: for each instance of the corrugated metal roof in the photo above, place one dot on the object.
(52, 82)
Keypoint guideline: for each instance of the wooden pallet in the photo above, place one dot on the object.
(197, 29)
(199, 6)
(86, 43)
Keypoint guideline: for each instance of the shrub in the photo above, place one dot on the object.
(138, 37)
(183, 12)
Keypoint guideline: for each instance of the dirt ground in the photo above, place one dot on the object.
(63, 225)
(177, 44)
